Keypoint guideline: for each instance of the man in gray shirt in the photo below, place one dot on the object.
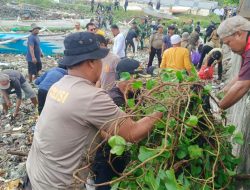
(13, 80)
(75, 110)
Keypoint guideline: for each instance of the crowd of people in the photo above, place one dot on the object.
(85, 92)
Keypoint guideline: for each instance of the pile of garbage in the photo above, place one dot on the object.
(26, 12)
(16, 133)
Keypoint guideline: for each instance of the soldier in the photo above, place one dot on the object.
(158, 5)
(143, 29)
(92, 5)
(126, 5)
(116, 5)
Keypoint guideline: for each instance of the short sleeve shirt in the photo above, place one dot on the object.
(108, 75)
(167, 41)
(131, 35)
(16, 80)
(244, 73)
(74, 111)
(33, 40)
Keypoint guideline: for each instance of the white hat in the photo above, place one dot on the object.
(4, 77)
(175, 39)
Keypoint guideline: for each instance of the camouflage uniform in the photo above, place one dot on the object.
(143, 28)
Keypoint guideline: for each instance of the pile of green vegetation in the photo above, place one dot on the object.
(188, 148)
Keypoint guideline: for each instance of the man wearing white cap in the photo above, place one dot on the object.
(176, 57)
(235, 32)
(13, 80)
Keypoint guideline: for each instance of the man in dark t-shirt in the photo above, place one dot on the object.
(13, 82)
(34, 53)
(235, 32)
(129, 39)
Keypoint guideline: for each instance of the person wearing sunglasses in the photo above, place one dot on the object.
(91, 27)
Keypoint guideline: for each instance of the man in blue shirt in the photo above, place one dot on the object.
(45, 81)
(166, 39)
(34, 53)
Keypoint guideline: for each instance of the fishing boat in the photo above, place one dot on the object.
(158, 14)
(16, 43)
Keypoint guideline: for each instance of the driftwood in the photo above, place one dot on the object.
(18, 153)
(242, 177)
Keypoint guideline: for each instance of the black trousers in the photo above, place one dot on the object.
(152, 55)
(26, 183)
(205, 50)
(220, 70)
(42, 94)
(130, 42)
(92, 8)
(102, 169)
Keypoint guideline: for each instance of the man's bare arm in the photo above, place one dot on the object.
(18, 104)
(230, 84)
(5, 95)
(133, 131)
(32, 52)
(6, 98)
(235, 93)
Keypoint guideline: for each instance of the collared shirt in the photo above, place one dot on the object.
(119, 45)
(156, 40)
(109, 64)
(176, 58)
(244, 73)
(16, 80)
(63, 137)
